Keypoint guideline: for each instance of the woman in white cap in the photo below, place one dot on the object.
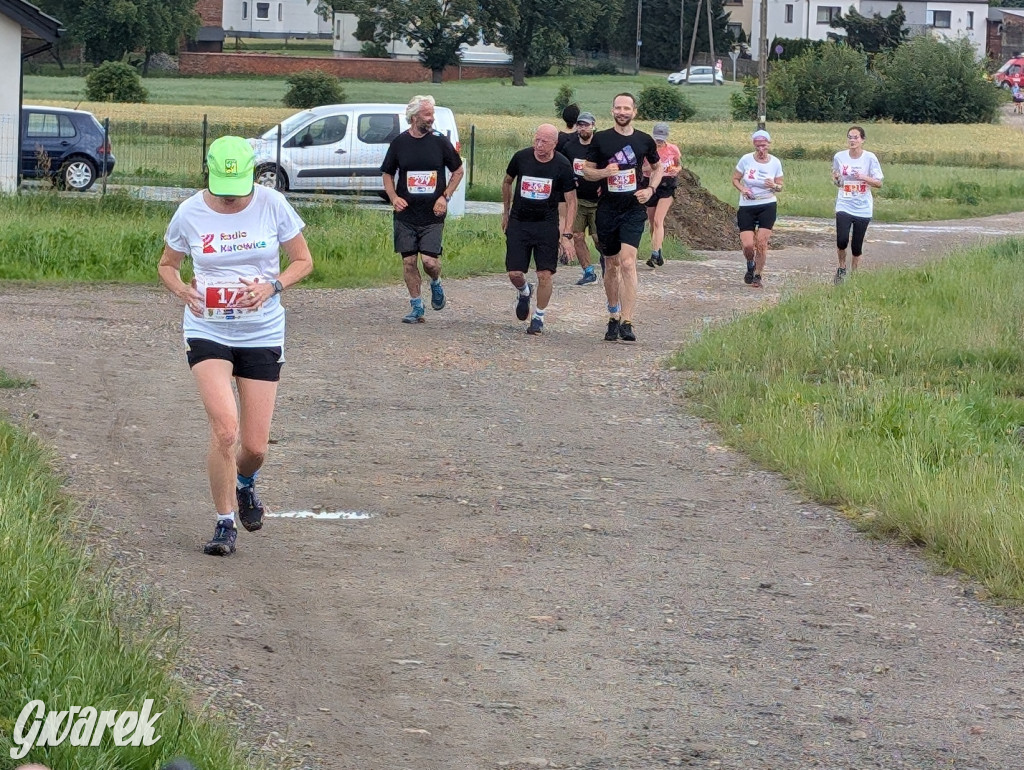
(758, 177)
(855, 172)
(659, 203)
(234, 233)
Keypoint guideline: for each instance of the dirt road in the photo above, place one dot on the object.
(562, 568)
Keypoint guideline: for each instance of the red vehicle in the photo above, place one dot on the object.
(1010, 74)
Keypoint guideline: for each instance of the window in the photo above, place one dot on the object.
(378, 129)
(789, 13)
(735, 30)
(970, 20)
(263, 11)
(940, 19)
(826, 13)
(245, 10)
(45, 126)
(280, 11)
(329, 130)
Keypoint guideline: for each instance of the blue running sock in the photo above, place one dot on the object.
(750, 264)
(614, 310)
(245, 481)
(416, 302)
(588, 270)
(435, 281)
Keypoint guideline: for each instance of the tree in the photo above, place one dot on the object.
(875, 34)
(163, 24)
(439, 28)
(518, 25)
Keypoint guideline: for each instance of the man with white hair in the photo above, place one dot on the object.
(419, 189)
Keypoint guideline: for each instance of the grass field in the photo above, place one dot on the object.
(896, 397)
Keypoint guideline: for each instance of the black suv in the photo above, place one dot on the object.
(64, 145)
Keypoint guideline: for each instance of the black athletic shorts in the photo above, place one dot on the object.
(615, 228)
(667, 189)
(411, 240)
(750, 218)
(248, 363)
(524, 240)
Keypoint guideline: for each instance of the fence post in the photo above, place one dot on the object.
(472, 153)
(106, 145)
(206, 128)
(278, 181)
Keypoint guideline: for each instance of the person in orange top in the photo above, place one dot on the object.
(661, 201)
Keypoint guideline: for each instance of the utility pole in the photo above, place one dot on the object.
(682, 15)
(762, 67)
(639, 17)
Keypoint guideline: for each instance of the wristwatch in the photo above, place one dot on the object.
(447, 197)
(278, 287)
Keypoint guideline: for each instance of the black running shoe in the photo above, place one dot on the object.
(757, 283)
(536, 326)
(651, 263)
(250, 509)
(840, 276)
(626, 332)
(523, 305)
(612, 335)
(658, 259)
(748, 277)
(223, 543)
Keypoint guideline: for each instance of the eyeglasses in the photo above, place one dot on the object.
(854, 136)
(579, 123)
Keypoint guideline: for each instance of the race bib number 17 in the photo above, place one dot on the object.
(222, 303)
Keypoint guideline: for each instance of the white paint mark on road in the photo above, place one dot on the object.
(347, 515)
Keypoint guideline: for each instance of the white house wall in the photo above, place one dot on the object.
(10, 86)
(961, 23)
(291, 18)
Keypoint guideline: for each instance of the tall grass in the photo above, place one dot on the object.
(60, 641)
(897, 396)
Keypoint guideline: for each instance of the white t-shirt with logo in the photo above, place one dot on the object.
(226, 247)
(854, 196)
(757, 176)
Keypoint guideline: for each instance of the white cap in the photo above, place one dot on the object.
(760, 134)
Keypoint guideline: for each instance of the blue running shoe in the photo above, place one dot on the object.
(415, 316)
(536, 326)
(437, 298)
(250, 508)
(223, 543)
(588, 277)
(523, 304)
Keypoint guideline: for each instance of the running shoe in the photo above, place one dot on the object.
(658, 259)
(415, 316)
(250, 509)
(840, 276)
(437, 298)
(612, 335)
(223, 543)
(536, 326)
(651, 263)
(626, 332)
(748, 277)
(590, 277)
(756, 283)
(523, 304)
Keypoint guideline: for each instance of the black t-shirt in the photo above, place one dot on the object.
(418, 167)
(538, 187)
(576, 152)
(563, 137)
(609, 146)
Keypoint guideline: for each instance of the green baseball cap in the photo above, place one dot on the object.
(230, 162)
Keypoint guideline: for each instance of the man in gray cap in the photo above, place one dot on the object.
(586, 196)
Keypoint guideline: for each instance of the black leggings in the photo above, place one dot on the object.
(844, 222)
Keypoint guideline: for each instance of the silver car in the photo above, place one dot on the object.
(700, 76)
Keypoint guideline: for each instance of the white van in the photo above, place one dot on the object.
(341, 147)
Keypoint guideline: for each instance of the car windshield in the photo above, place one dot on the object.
(289, 124)
(1005, 66)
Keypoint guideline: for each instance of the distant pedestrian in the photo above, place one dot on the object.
(419, 190)
(538, 198)
(855, 172)
(758, 177)
(615, 160)
(576, 150)
(661, 201)
(570, 114)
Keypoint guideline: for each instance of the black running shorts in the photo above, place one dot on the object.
(247, 363)
(538, 240)
(615, 228)
(411, 240)
(750, 218)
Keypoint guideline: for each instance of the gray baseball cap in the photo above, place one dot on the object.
(586, 117)
(660, 132)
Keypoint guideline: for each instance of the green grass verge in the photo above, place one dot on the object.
(896, 396)
(12, 381)
(53, 238)
(59, 641)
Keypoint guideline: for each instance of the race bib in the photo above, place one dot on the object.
(421, 182)
(534, 188)
(622, 181)
(577, 166)
(222, 300)
(853, 189)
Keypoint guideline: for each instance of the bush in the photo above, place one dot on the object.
(115, 81)
(930, 81)
(663, 103)
(563, 98)
(371, 49)
(311, 89)
(827, 84)
(599, 67)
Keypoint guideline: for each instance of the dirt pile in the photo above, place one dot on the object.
(699, 219)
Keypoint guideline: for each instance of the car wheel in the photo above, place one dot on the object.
(1006, 85)
(267, 174)
(77, 174)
